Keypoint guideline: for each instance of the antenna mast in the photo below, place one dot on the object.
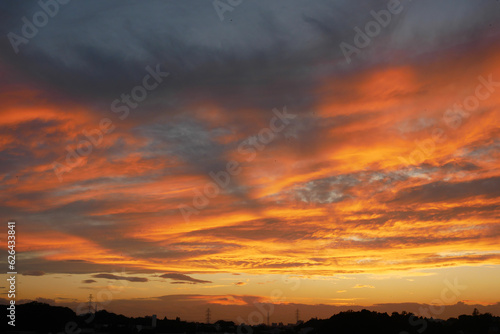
(90, 303)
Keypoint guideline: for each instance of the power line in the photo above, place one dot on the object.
(208, 315)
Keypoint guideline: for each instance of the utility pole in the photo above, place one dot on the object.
(90, 303)
(268, 318)
(208, 315)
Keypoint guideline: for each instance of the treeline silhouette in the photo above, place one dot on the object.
(44, 318)
(366, 321)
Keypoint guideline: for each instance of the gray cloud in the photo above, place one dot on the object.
(88, 281)
(447, 191)
(181, 278)
(263, 42)
(122, 278)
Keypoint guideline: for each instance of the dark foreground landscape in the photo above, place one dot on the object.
(35, 317)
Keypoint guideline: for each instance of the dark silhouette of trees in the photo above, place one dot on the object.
(366, 321)
(43, 318)
(35, 316)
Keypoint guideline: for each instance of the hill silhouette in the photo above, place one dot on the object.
(44, 318)
(366, 321)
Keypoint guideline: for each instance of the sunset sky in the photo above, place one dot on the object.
(169, 156)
